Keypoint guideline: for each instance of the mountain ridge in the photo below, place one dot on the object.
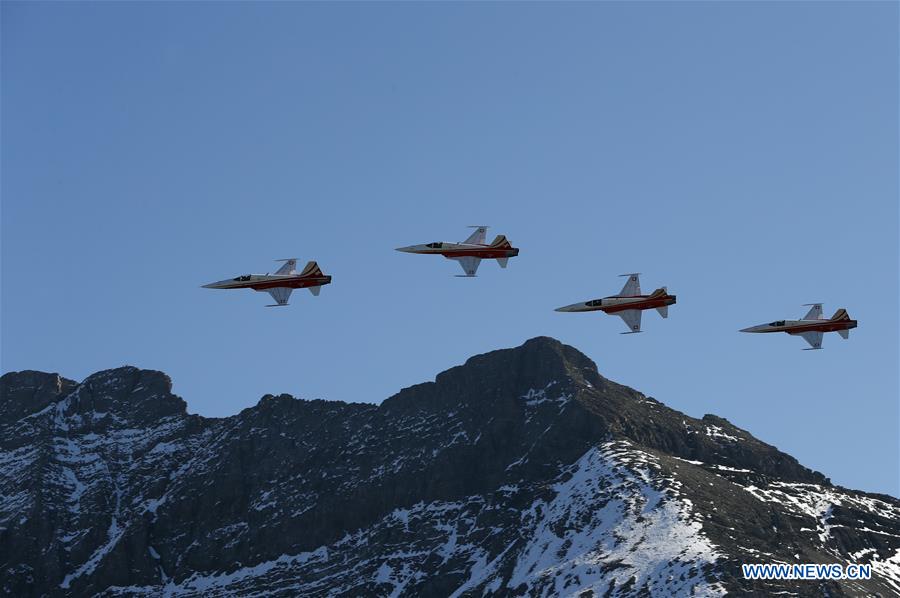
(110, 483)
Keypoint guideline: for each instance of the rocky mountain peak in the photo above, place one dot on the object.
(29, 391)
(127, 396)
(534, 363)
(498, 377)
(120, 397)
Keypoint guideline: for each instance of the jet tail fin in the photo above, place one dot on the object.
(502, 261)
(660, 292)
(501, 242)
(314, 290)
(663, 310)
(840, 315)
(311, 269)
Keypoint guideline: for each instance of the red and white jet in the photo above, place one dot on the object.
(812, 326)
(281, 284)
(470, 252)
(629, 303)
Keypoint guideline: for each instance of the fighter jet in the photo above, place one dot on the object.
(470, 252)
(629, 303)
(281, 284)
(812, 326)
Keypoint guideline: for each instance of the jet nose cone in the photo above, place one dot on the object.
(752, 329)
(408, 249)
(568, 308)
(211, 285)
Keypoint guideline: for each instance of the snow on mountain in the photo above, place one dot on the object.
(522, 472)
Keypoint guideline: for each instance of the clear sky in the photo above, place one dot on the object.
(744, 154)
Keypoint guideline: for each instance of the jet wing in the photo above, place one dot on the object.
(632, 318)
(632, 288)
(814, 313)
(280, 295)
(289, 267)
(477, 237)
(469, 264)
(813, 338)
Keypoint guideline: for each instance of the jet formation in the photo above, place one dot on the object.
(281, 284)
(629, 304)
(812, 327)
(469, 253)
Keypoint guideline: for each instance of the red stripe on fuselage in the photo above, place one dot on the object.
(823, 326)
(293, 283)
(488, 253)
(648, 304)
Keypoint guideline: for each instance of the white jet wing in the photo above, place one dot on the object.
(813, 338)
(632, 318)
(280, 295)
(469, 264)
(632, 288)
(289, 267)
(477, 238)
(814, 313)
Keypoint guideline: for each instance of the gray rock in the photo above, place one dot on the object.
(521, 472)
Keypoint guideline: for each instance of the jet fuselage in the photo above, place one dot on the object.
(617, 303)
(456, 250)
(263, 282)
(801, 326)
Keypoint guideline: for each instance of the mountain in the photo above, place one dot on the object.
(523, 472)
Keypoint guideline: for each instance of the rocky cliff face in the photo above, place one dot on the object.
(522, 472)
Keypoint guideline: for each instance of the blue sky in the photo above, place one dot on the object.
(744, 154)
